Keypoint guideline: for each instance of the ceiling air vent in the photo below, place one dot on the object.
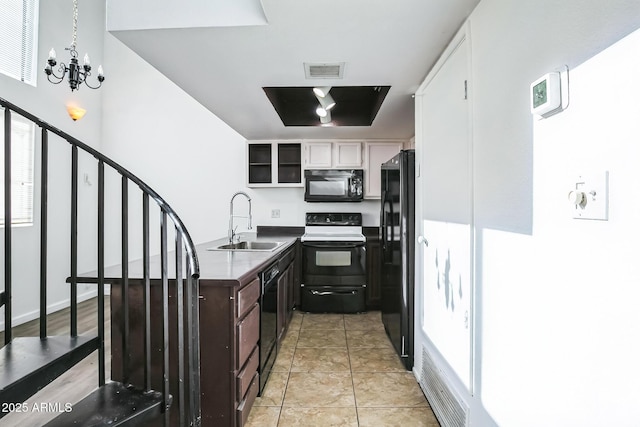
(324, 71)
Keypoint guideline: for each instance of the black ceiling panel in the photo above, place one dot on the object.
(355, 105)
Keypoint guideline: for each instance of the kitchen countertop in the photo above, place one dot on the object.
(236, 265)
(217, 267)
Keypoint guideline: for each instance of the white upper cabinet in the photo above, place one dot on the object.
(347, 155)
(376, 153)
(332, 155)
(317, 154)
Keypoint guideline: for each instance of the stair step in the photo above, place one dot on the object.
(113, 404)
(28, 364)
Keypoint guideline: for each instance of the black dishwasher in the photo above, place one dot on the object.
(269, 315)
(268, 322)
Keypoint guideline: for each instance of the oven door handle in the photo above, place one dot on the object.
(325, 293)
(338, 245)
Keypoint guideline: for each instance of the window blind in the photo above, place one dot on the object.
(18, 39)
(22, 165)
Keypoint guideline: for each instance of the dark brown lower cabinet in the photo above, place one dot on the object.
(229, 340)
(286, 289)
(372, 295)
(229, 353)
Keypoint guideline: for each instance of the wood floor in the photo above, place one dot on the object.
(74, 384)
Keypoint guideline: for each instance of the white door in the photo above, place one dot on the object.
(446, 211)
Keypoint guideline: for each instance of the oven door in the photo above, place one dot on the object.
(334, 263)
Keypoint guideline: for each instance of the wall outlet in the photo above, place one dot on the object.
(275, 213)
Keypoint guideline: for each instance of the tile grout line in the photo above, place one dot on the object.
(353, 385)
(295, 348)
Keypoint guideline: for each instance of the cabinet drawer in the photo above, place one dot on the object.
(243, 381)
(248, 334)
(245, 406)
(247, 296)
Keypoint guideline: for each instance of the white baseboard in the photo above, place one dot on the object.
(52, 308)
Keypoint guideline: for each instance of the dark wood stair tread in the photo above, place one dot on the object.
(113, 404)
(28, 364)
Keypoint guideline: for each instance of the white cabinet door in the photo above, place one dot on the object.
(347, 155)
(317, 155)
(377, 153)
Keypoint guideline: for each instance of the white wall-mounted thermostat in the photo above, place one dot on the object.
(546, 95)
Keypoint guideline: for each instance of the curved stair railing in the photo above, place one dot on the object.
(166, 387)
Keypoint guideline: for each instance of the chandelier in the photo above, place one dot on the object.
(77, 74)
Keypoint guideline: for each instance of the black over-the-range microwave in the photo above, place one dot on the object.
(333, 185)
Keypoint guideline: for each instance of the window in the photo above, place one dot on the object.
(18, 39)
(22, 161)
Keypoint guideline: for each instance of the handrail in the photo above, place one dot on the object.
(189, 280)
(189, 245)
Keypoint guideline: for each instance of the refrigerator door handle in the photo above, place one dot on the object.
(423, 240)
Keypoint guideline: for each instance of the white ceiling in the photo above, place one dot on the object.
(225, 67)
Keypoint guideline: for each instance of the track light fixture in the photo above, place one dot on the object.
(77, 74)
(326, 119)
(321, 91)
(321, 112)
(326, 103)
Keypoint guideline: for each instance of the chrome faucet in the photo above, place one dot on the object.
(232, 232)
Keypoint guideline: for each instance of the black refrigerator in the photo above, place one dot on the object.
(397, 235)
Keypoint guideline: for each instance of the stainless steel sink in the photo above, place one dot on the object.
(248, 246)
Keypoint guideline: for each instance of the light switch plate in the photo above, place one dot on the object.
(595, 187)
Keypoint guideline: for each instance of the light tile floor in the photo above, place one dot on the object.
(340, 370)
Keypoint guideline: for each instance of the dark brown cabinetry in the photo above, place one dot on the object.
(229, 331)
(286, 289)
(372, 297)
(230, 317)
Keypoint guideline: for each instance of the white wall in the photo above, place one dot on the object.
(575, 303)
(170, 141)
(48, 101)
(290, 202)
(556, 320)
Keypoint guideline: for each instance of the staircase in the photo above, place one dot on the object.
(162, 386)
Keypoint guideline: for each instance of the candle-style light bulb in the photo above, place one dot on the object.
(52, 54)
(86, 59)
(100, 71)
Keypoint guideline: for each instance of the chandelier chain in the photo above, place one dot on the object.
(75, 26)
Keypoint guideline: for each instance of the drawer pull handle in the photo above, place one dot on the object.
(333, 293)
